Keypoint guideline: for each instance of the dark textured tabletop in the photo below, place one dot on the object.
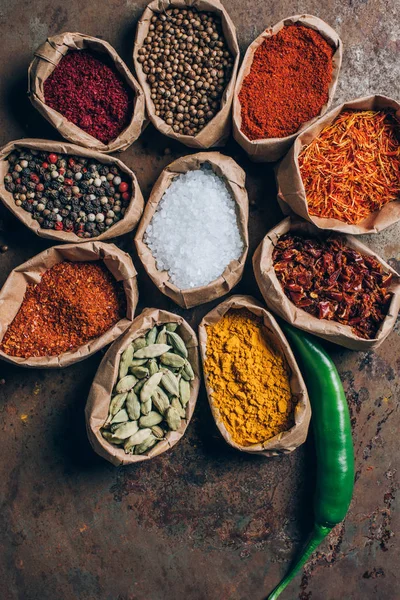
(201, 522)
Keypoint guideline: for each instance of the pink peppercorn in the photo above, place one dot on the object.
(90, 94)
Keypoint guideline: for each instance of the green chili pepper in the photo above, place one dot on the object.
(333, 443)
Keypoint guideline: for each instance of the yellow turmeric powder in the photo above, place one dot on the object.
(249, 379)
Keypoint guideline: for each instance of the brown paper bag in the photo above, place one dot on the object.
(216, 132)
(278, 302)
(271, 149)
(291, 192)
(234, 176)
(119, 263)
(132, 214)
(285, 442)
(47, 57)
(98, 402)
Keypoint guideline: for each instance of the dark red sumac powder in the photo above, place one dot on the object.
(90, 94)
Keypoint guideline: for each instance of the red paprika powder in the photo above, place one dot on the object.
(74, 303)
(288, 83)
(90, 94)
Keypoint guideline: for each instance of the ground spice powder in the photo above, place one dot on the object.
(90, 94)
(288, 83)
(74, 303)
(249, 379)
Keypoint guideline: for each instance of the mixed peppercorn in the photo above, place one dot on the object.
(187, 64)
(67, 193)
(332, 281)
(74, 303)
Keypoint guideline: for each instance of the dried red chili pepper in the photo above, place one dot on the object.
(74, 303)
(332, 281)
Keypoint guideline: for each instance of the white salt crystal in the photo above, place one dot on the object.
(194, 233)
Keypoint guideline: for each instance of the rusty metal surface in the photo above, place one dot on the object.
(200, 522)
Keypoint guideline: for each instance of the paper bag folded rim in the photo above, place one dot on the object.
(271, 149)
(47, 57)
(126, 224)
(291, 192)
(284, 442)
(98, 402)
(278, 302)
(234, 177)
(119, 263)
(216, 132)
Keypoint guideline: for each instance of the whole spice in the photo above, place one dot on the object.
(91, 94)
(288, 83)
(194, 233)
(187, 65)
(331, 281)
(73, 303)
(249, 379)
(67, 193)
(333, 444)
(153, 403)
(352, 168)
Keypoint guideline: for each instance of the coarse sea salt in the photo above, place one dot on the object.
(194, 233)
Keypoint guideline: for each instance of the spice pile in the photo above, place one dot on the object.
(352, 168)
(91, 94)
(187, 65)
(152, 390)
(67, 193)
(74, 303)
(249, 379)
(194, 234)
(332, 281)
(288, 83)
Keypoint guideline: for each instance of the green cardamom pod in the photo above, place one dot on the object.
(172, 360)
(110, 438)
(177, 343)
(152, 366)
(151, 336)
(138, 362)
(162, 337)
(146, 445)
(139, 385)
(116, 404)
(125, 361)
(150, 386)
(125, 384)
(145, 407)
(120, 417)
(158, 432)
(160, 400)
(170, 382)
(173, 419)
(133, 406)
(152, 351)
(139, 372)
(153, 418)
(188, 372)
(175, 402)
(114, 427)
(136, 438)
(171, 326)
(126, 430)
(139, 343)
(184, 391)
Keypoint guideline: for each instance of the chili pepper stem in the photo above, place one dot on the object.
(318, 534)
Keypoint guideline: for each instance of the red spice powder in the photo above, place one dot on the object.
(288, 83)
(90, 94)
(74, 303)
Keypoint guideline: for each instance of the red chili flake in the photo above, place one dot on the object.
(74, 303)
(332, 281)
(91, 94)
(53, 158)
